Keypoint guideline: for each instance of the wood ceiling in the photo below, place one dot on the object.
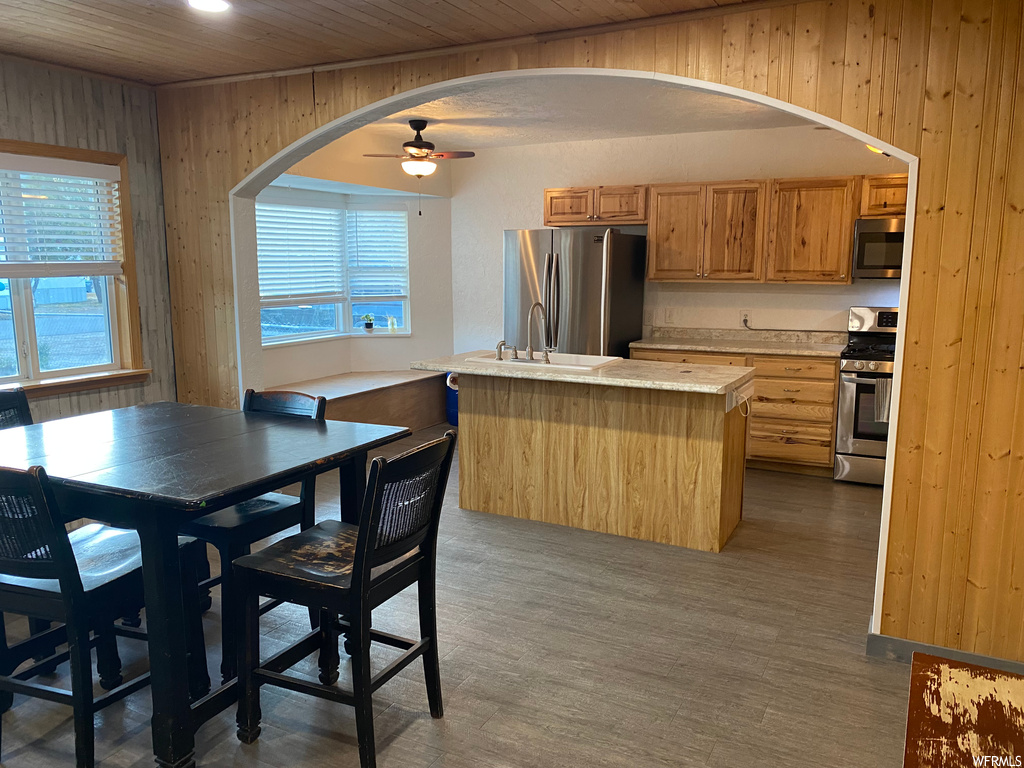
(164, 41)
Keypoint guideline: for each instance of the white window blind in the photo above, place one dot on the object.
(56, 221)
(377, 243)
(300, 252)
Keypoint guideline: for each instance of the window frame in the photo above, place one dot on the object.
(127, 365)
(345, 327)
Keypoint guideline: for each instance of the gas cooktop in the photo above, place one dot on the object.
(860, 350)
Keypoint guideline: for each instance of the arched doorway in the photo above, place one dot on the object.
(243, 199)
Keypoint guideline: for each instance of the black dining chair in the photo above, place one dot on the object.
(84, 580)
(235, 529)
(345, 571)
(14, 410)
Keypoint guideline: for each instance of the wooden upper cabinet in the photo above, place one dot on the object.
(810, 237)
(573, 205)
(735, 230)
(675, 232)
(595, 205)
(621, 205)
(884, 195)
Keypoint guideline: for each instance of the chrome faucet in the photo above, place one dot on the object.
(529, 332)
(502, 346)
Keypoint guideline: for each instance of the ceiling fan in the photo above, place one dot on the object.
(420, 155)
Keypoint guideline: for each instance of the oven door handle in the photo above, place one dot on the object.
(858, 380)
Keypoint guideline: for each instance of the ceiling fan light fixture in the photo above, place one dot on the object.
(419, 168)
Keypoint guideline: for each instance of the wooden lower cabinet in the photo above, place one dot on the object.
(793, 410)
(793, 442)
(793, 399)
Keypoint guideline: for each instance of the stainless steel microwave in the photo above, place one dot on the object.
(878, 248)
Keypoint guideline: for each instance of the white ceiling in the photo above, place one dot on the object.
(541, 110)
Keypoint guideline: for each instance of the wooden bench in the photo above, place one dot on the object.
(413, 399)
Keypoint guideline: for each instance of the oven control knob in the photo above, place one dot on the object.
(859, 365)
(872, 365)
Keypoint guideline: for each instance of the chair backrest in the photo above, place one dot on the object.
(33, 541)
(285, 403)
(14, 410)
(402, 506)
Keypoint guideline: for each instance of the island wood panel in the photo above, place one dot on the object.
(648, 464)
(50, 106)
(937, 78)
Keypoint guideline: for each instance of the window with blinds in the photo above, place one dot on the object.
(62, 247)
(324, 270)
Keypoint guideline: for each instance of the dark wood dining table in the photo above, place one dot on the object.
(152, 467)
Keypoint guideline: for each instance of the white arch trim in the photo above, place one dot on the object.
(242, 201)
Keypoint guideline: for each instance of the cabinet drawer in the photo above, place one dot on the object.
(794, 399)
(694, 358)
(794, 442)
(794, 368)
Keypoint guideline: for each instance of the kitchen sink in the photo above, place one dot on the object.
(560, 361)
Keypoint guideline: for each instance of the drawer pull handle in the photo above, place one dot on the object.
(791, 390)
(788, 431)
(793, 369)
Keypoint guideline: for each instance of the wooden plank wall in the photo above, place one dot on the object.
(940, 78)
(53, 106)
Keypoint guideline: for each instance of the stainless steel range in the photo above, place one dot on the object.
(865, 394)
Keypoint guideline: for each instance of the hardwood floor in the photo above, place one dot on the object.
(569, 648)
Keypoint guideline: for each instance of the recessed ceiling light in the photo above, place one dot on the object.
(876, 150)
(211, 6)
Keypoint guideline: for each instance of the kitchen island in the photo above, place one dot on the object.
(649, 450)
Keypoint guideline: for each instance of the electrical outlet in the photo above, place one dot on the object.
(745, 318)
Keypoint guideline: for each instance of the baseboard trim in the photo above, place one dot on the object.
(899, 649)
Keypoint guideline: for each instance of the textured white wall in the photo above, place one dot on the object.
(503, 189)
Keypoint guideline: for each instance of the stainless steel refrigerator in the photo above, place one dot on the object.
(590, 281)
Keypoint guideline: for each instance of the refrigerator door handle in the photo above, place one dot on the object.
(546, 291)
(556, 301)
(605, 309)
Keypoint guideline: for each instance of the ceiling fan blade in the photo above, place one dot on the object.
(451, 155)
(391, 156)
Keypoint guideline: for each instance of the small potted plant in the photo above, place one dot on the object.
(367, 321)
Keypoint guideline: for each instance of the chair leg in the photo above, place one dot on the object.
(7, 666)
(329, 661)
(360, 636)
(229, 611)
(81, 694)
(428, 629)
(249, 714)
(108, 661)
(205, 599)
(37, 627)
(198, 670)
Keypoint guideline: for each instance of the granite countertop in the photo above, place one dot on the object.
(734, 346)
(638, 374)
(798, 343)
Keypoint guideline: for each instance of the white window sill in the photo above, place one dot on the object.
(376, 333)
